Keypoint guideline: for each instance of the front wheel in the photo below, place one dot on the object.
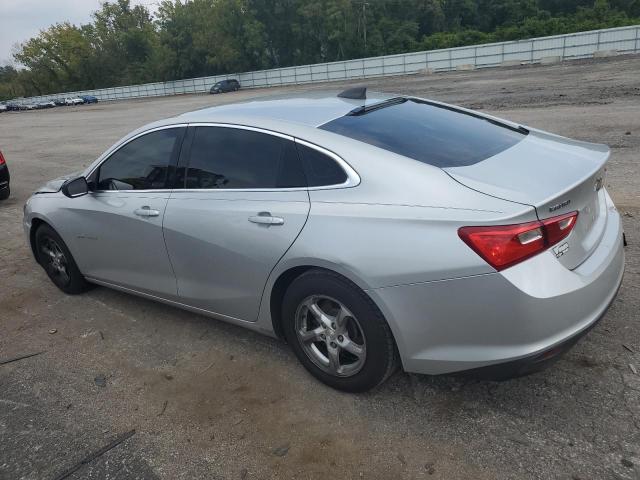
(337, 332)
(54, 256)
(4, 194)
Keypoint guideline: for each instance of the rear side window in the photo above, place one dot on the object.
(321, 170)
(429, 133)
(228, 158)
(141, 164)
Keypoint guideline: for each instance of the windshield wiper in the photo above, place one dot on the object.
(376, 106)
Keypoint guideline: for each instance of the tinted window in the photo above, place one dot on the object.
(320, 169)
(235, 158)
(431, 134)
(141, 164)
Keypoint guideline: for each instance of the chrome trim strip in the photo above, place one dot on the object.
(203, 190)
(165, 190)
(353, 179)
(241, 127)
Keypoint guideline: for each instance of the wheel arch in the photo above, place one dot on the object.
(278, 290)
(36, 222)
(286, 276)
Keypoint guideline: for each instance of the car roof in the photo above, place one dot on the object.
(310, 109)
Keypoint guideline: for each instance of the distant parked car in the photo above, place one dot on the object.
(29, 106)
(4, 179)
(46, 105)
(3, 108)
(226, 86)
(12, 106)
(59, 102)
(89, 99)
(73, 101)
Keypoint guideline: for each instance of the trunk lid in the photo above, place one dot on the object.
(555, 175)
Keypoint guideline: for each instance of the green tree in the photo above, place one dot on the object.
(123, 39)
(124, 45)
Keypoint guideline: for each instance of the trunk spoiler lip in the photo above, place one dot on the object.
(457, 173)
(597, 147)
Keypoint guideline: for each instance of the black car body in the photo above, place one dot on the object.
(222, 86)
(59, 102)
(4, 179)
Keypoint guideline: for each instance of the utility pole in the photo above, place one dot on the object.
(364, 20)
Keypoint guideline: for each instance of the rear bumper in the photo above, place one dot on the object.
(516, 317)
(531, 364)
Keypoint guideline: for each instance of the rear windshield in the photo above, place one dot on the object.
(430, 133)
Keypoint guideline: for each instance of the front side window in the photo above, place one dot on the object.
(231, 158)
(142, 164)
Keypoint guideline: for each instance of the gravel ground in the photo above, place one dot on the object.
(212, 401)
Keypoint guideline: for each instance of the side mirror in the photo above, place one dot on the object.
(76, 187)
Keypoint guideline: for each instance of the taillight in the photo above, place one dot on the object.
(558, 228)
(502, 246)
(2, 162)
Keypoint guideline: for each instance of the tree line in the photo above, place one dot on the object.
(125, 44)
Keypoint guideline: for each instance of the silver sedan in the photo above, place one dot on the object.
(368, 231)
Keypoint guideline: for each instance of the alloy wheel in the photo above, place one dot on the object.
(330, 336)
(54, 259)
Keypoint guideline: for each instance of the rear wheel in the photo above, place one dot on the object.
(4, 193)
(54, 256)
(337, 332)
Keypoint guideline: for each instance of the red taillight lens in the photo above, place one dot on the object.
(502, 246)
(2, 162)
(558, 228)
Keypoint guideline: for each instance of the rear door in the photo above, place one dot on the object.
(240, 203)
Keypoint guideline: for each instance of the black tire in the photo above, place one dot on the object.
(48, 240)
(4, 193)
(381, 357)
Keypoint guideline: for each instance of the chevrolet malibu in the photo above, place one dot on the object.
(368, 231)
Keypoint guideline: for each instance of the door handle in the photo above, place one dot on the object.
(146, 212)
(265, 218)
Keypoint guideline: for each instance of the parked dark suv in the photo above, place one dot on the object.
(225, 86)
(4, 179)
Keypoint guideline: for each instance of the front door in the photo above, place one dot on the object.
(118, 237)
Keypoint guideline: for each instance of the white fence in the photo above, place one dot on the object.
(562, 47)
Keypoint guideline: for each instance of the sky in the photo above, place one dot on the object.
(23, 19)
